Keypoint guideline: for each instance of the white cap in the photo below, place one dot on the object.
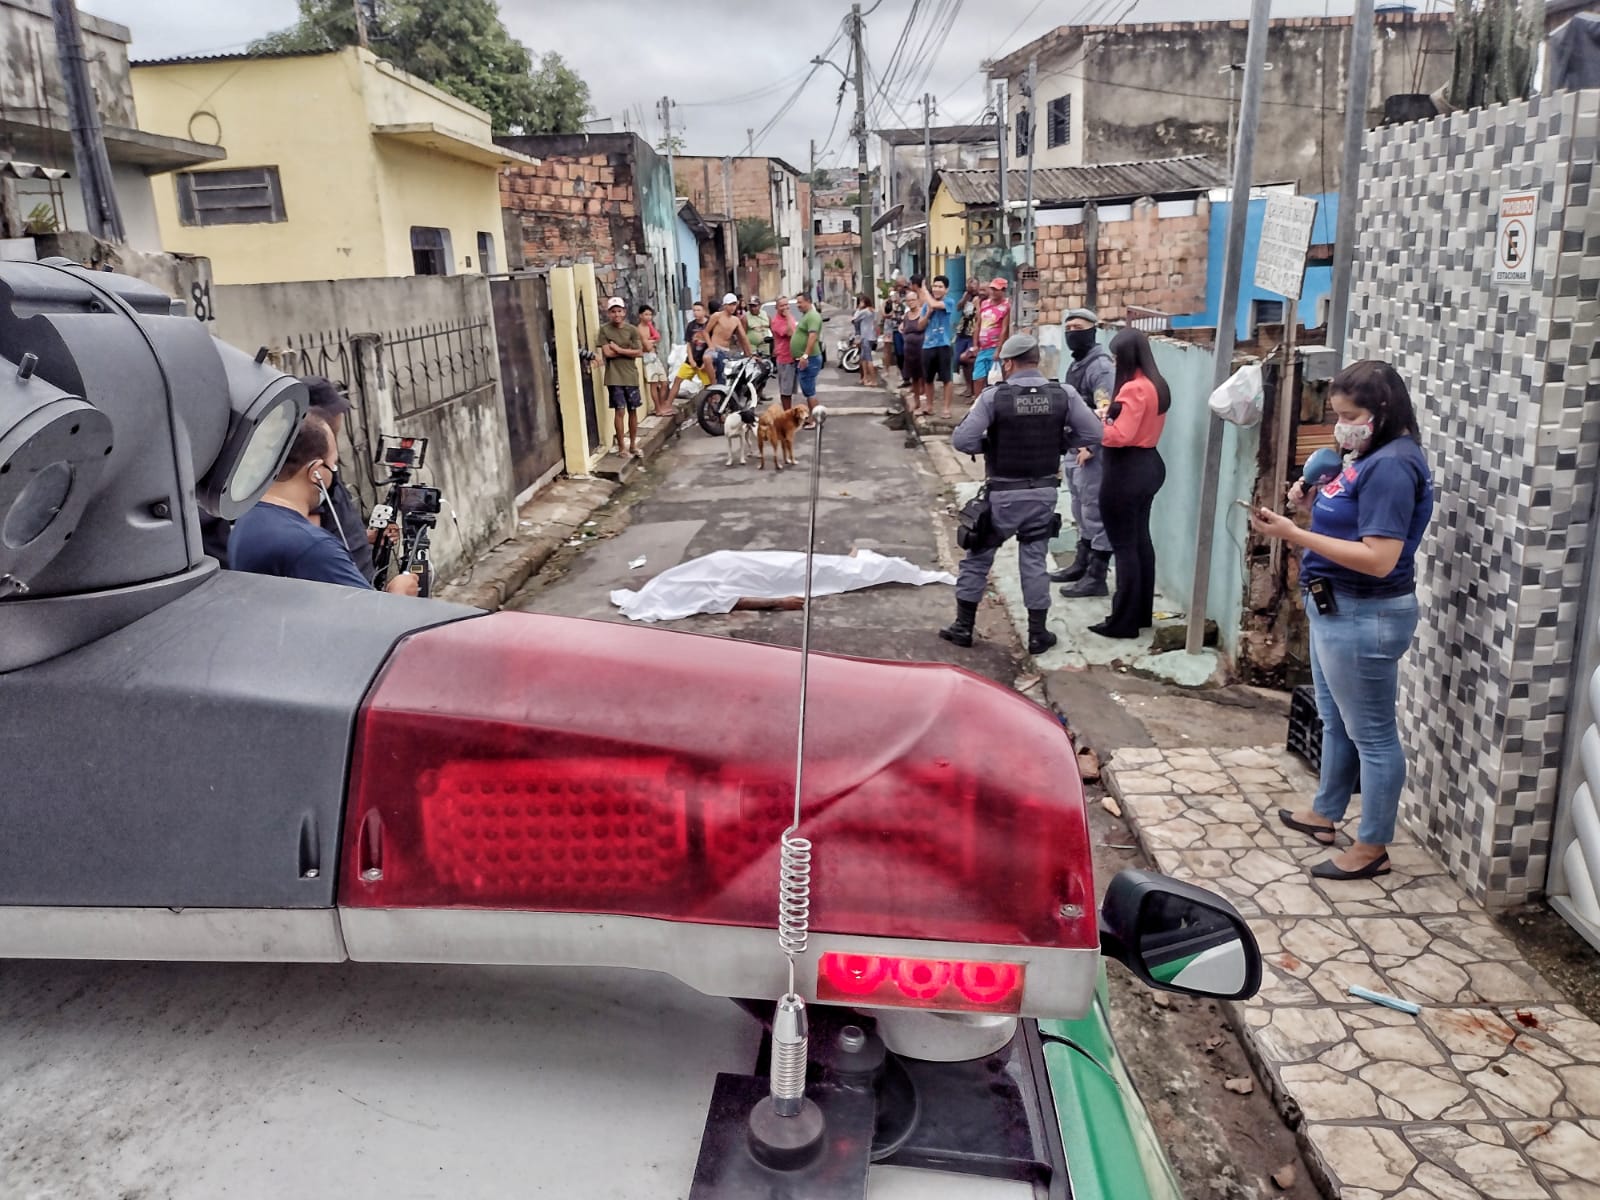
(730, 298)
(615, 302)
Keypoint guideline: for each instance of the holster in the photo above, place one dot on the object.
(975, 524)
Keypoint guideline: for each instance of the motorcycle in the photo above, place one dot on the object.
(743, 379)
(849, 355)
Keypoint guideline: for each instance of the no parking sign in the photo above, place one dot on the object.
(1513, 241)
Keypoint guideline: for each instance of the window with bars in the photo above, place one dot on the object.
(1059, 132)
(1024, 133)
(236, 196)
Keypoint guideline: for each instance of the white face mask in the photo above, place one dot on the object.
(1352, 435)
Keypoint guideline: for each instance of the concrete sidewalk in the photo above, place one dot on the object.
(1077, 648)
(1493, 1090)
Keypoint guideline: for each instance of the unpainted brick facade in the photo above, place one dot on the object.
(573, 209)
(1148, 261)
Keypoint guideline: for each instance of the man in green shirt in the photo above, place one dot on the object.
(622, 347)
(804, 345)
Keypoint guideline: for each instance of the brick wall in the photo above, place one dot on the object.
(708, 182)
(572, 208)
(1147, 262)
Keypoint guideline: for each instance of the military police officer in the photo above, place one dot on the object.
(1093, 376)
(1022, 426)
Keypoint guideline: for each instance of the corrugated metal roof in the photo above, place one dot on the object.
(26, 170)
(940, 135)
(1096, 181)
(181, 60)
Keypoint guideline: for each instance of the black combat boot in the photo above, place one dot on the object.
(1040, 639)
(1074, 570)
(1093, 582)
(960, 630)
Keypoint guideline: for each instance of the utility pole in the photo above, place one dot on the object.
(1255, 70)
(88, 139)
(664, 111)
(1033, 137)
(927, 184)
(813, 262)
(1355, 129)
(361, 23)
(864, 191)
(1000, 131)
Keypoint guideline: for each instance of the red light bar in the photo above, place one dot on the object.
(529, 763)
(894, 982)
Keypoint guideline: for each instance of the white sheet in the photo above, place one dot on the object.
(715, 582)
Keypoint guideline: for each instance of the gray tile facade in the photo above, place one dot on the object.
(1507, 385)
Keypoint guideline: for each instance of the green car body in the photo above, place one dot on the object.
(1111, 1145)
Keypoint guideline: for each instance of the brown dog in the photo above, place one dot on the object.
(778, 426)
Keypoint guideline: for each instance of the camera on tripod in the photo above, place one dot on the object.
(413, 507)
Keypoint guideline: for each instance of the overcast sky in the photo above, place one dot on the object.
(633, 53)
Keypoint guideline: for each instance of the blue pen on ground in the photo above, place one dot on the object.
(1384, 999)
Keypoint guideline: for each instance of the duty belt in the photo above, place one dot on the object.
(1022, 485)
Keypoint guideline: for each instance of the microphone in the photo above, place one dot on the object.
(1322, 466)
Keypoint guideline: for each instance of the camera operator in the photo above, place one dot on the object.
(277, 536)
(339, 512)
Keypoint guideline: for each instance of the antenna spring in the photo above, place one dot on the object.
(794, 893)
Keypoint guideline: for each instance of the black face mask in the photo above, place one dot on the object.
(1080, 341)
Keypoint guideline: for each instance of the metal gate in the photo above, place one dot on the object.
(1574, 882)
(525, 331)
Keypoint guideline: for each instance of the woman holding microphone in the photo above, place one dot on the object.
(1359, 578)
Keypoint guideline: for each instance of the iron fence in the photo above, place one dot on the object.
(431, 365)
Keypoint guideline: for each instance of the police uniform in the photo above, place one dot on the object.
(1022, 427)
(1093, 376)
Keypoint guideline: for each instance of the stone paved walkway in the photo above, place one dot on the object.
(1493, 1091)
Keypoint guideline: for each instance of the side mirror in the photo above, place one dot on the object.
(1179, 937)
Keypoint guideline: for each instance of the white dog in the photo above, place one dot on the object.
(740, 430)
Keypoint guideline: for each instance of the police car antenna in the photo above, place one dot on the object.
(789, 1031)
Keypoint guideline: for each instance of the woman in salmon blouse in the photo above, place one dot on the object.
(1133, 474)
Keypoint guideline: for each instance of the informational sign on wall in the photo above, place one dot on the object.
(1513, 239)
(1285, 238)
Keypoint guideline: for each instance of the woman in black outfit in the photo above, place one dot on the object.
(1133, 473)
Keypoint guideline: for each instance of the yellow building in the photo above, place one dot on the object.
(338, 166)
(947, 227)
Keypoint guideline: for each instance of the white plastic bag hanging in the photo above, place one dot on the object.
(1242, 397)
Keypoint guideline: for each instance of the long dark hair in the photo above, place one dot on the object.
(1378, 388)
(1131, 351)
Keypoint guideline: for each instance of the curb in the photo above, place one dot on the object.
(1233, 1010)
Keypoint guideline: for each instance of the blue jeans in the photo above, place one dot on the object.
(1355, 665)
(808, 376)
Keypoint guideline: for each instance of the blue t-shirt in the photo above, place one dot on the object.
(272, 540)
(1387, 494)
(938, 332)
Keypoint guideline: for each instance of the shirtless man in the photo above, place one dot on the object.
(724, 328)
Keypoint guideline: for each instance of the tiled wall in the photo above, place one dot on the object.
(1504, 381)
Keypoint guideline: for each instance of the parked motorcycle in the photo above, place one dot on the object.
(743, 379)
(849, 355)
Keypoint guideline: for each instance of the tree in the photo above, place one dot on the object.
(459, 46)
(756, 237)
(1496, 51)
(560, 97)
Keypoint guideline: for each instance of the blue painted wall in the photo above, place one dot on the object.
(689, 257)
(1318, 281)
(1188, 371)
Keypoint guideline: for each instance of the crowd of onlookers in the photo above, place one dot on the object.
(930, 338)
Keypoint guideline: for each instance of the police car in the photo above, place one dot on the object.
(589, 941)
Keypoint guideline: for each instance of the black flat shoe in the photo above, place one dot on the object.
(1378, 866)
(1105, 630)
(1314, 832)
